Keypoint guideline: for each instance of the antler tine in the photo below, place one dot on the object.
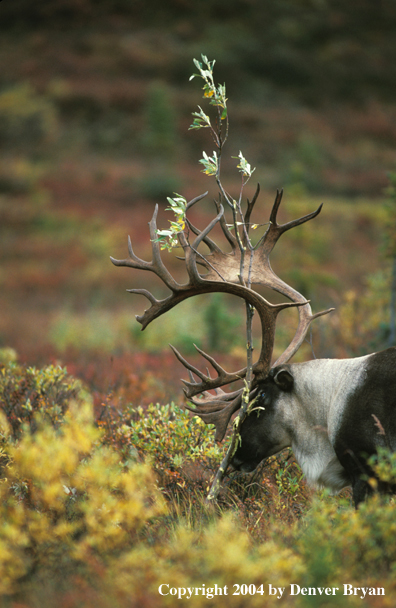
(208, 241)
(191, 368)
(212, 403)
(191, 250)
(196, 200)
(300, 220)
(146, 293)
(211, 244)
(250, 205)
(207, 383)
(305, 320)
(211, 360)
(156, 265)
(223, 224)
(219, 409)
(276, 205)
(220, 417)
(133, 261)
(268, 324)
(275, 230)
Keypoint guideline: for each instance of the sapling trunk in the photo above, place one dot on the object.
(216, 484)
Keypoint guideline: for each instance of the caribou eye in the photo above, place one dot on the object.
(263, 399)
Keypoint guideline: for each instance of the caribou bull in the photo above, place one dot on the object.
(333, 413)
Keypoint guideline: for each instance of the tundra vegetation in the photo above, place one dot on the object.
(103, 482)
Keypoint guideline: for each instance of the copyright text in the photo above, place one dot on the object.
(270, 590)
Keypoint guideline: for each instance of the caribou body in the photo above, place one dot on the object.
(333, 413)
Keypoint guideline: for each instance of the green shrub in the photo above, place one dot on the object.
(24, 391)
(170, 438)
(383, 464)
(169, 432)
(340, 544)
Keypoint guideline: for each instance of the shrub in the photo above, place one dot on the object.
(179, 446)
(181, 450)
(67, 502)
(24, 391)
(344, 545)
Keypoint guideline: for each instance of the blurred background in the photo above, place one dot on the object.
(95, 105)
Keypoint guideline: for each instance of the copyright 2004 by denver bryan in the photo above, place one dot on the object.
(211, 592)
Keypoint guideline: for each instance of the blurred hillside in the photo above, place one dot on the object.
(95, 105)
(311, 84)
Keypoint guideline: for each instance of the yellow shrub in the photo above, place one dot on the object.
(66, 494)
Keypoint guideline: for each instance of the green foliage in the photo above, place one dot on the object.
(24, 391)
(168, 436)
(210, 163)
(201, 120)
(289, 479)
(338, 542)
(168, 238)
(384, 465)
(169, 432)
(244, 167)
(216, 94)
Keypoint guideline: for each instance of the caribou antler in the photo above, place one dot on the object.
(223, 274)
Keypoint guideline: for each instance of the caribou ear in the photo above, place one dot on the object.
(283, 379)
